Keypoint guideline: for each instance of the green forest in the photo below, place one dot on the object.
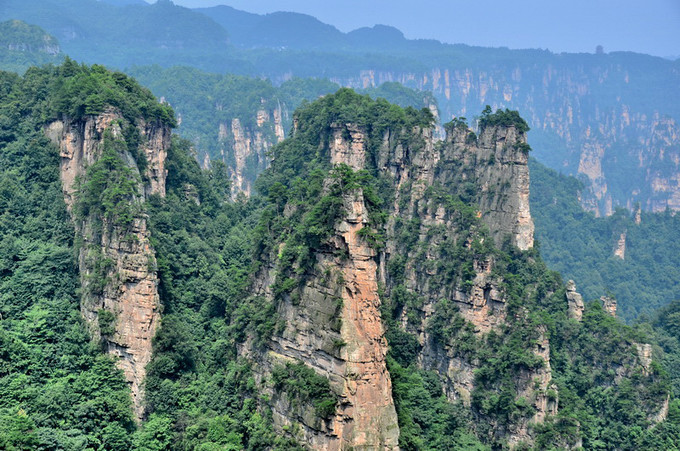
(581, 247)
(206, 100)
(59, 390)
(23, 45)
(308, 239)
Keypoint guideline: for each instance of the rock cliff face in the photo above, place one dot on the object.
(609, 305)
(116, 260)
(339, 301)
(495, 166)
(334, 326)
(245, 147)
(574, 301)
(579, 126)
(620, 246)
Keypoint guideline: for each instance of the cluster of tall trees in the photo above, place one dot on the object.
(58, 390)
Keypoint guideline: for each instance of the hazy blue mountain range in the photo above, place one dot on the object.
(610, 118)
(578, 26)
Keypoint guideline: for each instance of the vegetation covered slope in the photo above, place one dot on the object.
(604, 405)
(128, 34)
(582, 247)
(60, 392)
(23, 45)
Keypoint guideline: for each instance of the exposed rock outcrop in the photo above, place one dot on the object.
(574, 301)
(576, 130)
(638, 214)
(18, 36)
(609, 304)
(644, 352)
(426, 250)
(334, 326)
(116, 260)
(496, 164)
(620, 246)
(245, 146)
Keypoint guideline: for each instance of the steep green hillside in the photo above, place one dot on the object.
(23, 45)
(201, 334)
(122, 35)
(231, 272)
(59, 391)
(582, 247)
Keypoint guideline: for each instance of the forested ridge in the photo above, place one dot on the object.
(58, 390)
(609, 110)
(581, 246)
(205, 101)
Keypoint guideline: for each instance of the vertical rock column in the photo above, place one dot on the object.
(368, 386)
(128, 299)
(497, 163)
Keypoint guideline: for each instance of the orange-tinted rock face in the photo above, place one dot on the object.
(130, 286)
(367, 387)
(339, 302)
(335, 328)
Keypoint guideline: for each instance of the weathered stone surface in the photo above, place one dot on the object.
(334, 326)
(644, 356)
(662, 413)
(352, 151)
(366, 418)
(620, 246)
(497, 164)
(595, 140)
(155, 143)
(609, 304)
(644, 352)
(368, 387)
(574, 301)
(130, 289)
(245, 147)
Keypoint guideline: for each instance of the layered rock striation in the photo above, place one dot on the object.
(383, 246)
(448, 265)
(333, 325)
(624, 147)
(495, 165)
